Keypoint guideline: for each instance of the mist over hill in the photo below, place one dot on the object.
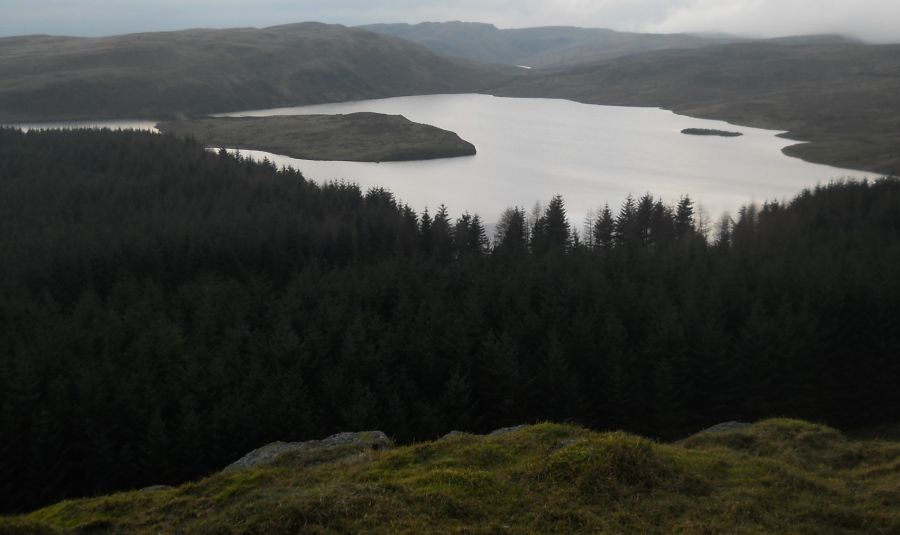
(551, 46)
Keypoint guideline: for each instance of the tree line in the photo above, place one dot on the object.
(164, 309)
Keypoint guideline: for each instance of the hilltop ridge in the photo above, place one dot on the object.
(551, 47)
(777, 476)
(171, 74)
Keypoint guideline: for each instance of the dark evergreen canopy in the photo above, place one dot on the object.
(165, 309)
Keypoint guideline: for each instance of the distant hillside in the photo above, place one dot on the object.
(845, 98)
(354, 137)
(777, 476)
(552, 46)
(204, 71)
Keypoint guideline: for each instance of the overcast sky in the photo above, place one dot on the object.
(874, 20)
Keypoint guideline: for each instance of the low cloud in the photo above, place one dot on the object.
(875, 20)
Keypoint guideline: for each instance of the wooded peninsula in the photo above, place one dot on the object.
(355, 137)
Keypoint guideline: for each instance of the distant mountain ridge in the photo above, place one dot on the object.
(558, 47)
(838, 93)
(542, 47)
(205, 71)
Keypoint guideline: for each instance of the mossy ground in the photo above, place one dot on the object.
(778, 476)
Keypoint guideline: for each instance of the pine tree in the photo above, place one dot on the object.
(156, 448)
(500, 381)
(559, 389)
(441, 235)
(552, 232)
(644, 219)
(604, 229)
(425, 234)
(684, 217)
(511, 236)
(627, 231)
(478, 240)
(456, 402)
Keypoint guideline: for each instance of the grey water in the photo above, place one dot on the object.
(532, 149)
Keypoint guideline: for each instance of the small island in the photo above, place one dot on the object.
(355, 137)
(710, 132)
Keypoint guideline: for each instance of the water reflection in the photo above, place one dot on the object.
(531, 149)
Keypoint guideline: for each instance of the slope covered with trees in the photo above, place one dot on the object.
(165, 309)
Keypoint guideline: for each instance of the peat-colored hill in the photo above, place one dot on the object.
(844, 98)
(203, 71)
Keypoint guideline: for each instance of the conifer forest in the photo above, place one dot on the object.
(165, 308)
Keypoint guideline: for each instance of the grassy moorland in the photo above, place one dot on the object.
(356, 137)
(168, 74)
(843, 98)
(778, 476)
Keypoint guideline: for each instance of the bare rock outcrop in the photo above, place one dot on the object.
(365, 440)
(506, 430)
(726, 427)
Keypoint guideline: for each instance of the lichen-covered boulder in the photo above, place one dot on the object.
(506, 430)
(365, 440)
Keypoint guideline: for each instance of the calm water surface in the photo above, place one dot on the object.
(532, 149)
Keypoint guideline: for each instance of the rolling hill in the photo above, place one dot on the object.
(777, 476)
(837, 94)
(843, 98)
(543, 47)
(203, 71)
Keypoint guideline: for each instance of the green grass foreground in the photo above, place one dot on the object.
(778, 476)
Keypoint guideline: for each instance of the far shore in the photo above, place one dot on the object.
(356, 137)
